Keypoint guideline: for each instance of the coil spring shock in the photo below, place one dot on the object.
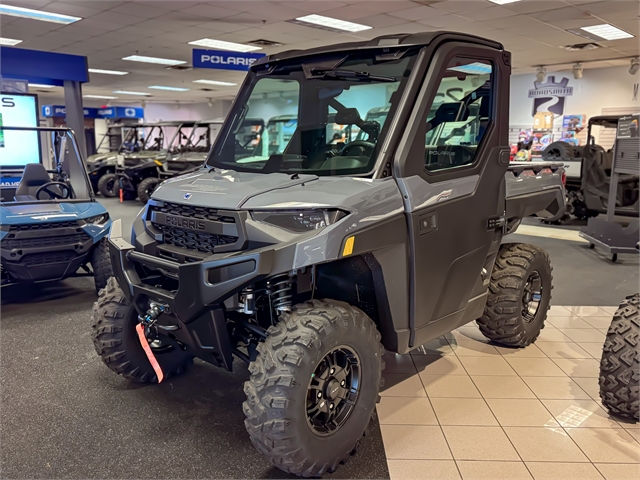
(279, 290)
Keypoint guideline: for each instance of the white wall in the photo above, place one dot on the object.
(597, 89)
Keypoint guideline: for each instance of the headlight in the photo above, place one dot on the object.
(98, 219)
(299, 220)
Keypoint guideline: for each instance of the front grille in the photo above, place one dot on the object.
(40, 242)
(42, 226)
(190, 211)
(132, 162)
(202, 242)
(37, 259)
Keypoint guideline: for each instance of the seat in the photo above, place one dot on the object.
(34, 176)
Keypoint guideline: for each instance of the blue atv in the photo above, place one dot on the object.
(51, 226)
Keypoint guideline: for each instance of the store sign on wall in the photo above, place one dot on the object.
(61, 111)
(224, 60)
(549, 96)
(635, 91)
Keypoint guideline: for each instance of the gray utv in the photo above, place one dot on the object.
(307, 263)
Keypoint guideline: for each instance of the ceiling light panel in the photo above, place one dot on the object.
(107, 72)
(607, 32)
(473, 68)
(37, 15)
(9, 41)
(216, 82)
(333, 24)
(127, 92)
(157, 60)
(504, 2)
(102, 97)
(172, 89)
(40, 85)
(222, 45)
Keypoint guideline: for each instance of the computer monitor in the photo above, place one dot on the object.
(18, 148)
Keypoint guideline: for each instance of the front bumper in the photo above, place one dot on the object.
(194, 312)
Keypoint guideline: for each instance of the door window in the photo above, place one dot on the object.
(460, 114)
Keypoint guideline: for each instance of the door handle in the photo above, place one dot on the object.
(428, 223)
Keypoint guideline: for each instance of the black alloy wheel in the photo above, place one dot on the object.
(333, 391)
(532, 296)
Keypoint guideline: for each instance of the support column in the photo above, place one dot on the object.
(75, 113)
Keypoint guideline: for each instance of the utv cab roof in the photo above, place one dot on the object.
(610, 121)
(385, 41)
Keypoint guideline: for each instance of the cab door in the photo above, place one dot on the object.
(450, 166)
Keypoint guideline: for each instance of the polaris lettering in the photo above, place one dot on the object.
(216, 59)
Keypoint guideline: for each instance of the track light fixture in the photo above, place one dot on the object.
(210, 102)
(635, 66)
(577, 71)
(143, 103)
(541, 73)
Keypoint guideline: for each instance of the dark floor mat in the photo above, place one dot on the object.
(65, 415)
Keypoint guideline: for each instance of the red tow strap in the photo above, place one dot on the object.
(147, 349)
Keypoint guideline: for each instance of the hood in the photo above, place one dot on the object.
(99, 157)
(232, 190)
(198, 157)
(145, 154)
(45, 212)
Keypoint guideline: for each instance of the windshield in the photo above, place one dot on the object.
(316, 115)
(57, 175)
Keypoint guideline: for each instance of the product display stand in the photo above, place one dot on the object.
(606, 233)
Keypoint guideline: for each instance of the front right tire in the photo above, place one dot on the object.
(114, 337)
(313, 387)
(108, 185)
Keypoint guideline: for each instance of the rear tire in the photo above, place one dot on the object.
(146, 188)
(519, 295)
(108, 185)
(101, 264)
(115, 339)
(282, 407)
(620, 363)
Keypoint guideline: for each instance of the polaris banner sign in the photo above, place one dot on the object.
(224, 60)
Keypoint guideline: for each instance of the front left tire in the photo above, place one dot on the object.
(101, 264)
(313, 387)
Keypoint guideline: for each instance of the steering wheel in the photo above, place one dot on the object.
(366, 148)
(63, 193)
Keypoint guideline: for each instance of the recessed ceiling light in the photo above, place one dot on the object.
(222, 45)
(104, 97)
(107, 72)
(606, 31)
(504, 2)
(37, 15)
(9, 41)
(329, 23)
(215, 82)
(161, 61)
(173, 89)
(40, 85)
(127, 92)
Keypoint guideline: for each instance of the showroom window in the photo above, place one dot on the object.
(460, 114)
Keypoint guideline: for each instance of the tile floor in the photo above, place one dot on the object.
(460, 408)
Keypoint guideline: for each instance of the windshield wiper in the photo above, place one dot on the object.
(348, 75)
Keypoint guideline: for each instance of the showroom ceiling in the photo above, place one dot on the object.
(534, 31)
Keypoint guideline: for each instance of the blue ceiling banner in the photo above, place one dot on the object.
(121, 112)
(224, 60)
(48, 111)
(50, 68)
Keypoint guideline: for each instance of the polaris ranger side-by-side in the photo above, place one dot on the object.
(308, 262)
(51, 226)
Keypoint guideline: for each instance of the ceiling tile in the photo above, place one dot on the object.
(446, 21)
(382, 20)
(418, 13)
(208, 11)
(221, 26)
(142, 9)
(75, 10)
(313, 7)
(27, 3)
(34, 27)
(567, 13)
(490, 13)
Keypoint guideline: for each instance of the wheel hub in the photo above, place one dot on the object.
(333, 391)
(531, 297)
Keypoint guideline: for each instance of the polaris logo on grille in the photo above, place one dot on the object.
(186, 196)
(185, 223)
